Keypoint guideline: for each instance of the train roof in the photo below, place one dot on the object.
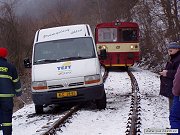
(116, 24)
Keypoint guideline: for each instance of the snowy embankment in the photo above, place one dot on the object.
(155, 108)
(112, 120)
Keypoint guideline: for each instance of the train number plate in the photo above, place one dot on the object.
(66, 94)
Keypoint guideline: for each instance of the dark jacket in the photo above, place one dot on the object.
(176, 83)
(9, 81)
(167, 82)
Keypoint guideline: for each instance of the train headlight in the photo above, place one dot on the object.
(133, 47)
(39, 85)
(103, 47)
(92, 79)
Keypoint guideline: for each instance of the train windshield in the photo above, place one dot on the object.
(107, 35)
(128, 35)
(117, 35)
(63, 50)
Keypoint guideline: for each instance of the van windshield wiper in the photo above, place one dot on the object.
(70, 58)
(60, 59)
(44, 60)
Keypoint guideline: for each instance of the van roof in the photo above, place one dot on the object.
(63, 32)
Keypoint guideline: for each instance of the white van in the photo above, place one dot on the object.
(65, 67)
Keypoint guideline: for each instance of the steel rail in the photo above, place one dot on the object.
(134, 123)
(61, 121)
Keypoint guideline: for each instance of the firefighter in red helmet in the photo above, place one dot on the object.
(9, 87)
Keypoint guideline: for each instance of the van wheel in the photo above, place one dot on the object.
(39, 109)
(101, 103)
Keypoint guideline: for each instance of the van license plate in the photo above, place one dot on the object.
(66, 94)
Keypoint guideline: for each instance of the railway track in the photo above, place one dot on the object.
(50, 130)
(134, 120)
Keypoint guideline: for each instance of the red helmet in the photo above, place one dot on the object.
(3, 52)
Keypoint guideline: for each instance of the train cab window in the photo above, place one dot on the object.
(107, 35)
(129, 35)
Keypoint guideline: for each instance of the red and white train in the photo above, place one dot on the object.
(118, 43)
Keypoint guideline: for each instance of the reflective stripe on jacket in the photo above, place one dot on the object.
(9, 80)
(6, 124)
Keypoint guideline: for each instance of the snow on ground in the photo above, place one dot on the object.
(26, 122)
(112, 120)
(155, 108)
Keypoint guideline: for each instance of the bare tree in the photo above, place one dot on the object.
(60, 14)
(9, 30)
(149, 16)
(119, 9)
(171, 10)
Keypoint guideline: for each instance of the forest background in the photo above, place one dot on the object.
(159, 22)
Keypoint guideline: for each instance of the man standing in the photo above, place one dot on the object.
(167, 75)
(9, 87)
